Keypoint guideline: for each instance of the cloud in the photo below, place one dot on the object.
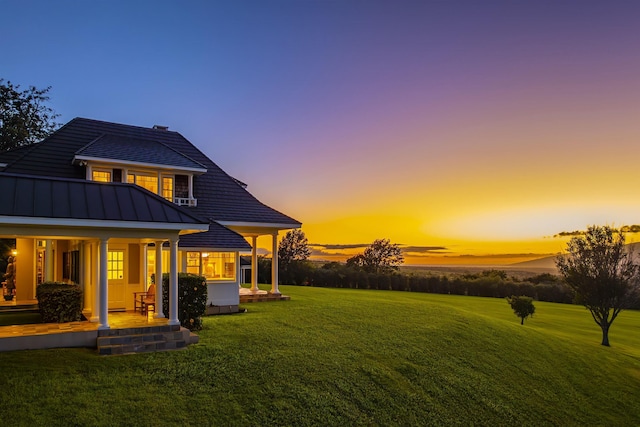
(625, 229)
(499, 256)
(423, 250)
(339, 247)
(332, 250)
(569, 233)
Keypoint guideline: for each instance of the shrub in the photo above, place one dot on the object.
(192, 299)
(59, 302)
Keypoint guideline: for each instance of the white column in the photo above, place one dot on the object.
(95, 282)
(254, 265)
(144, 260)
(190, 187)
(238, 270)
(48, 261)
(158, 308)
(274, 265)
(86, 274)
(104, 285)
(173, 283)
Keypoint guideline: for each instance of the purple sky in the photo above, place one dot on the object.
(365, 119)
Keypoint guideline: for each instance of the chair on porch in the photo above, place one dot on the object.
(143, 300)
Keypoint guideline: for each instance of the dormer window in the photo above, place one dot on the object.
(175, 188)
(145, 162)
(101, 175)
(148, 181)
(167, 188)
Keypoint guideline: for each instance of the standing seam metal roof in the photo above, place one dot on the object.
(87, 200)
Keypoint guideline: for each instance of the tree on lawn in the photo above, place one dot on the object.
(292, 255)
(24, 116)
(602, 274)
(522, 306)
(294, 246)
(379, 257)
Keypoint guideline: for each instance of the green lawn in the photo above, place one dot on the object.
(348, 357)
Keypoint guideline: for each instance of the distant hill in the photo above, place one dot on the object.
(549, 262)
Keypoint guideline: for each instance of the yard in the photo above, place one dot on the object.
(348, 357)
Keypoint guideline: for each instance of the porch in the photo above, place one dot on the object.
(130, 332)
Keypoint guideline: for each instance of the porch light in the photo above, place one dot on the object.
(14, 252)
(205, 254)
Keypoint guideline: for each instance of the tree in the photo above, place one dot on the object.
(602, 274)
(24, 116)
(380, 256)
(522, 306)
(293, 247)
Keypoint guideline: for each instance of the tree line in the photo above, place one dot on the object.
(597, 271)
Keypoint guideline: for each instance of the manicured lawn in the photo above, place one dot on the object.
(348, 357)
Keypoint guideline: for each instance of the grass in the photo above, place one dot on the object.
(348, 357)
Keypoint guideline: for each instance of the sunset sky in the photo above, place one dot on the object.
(467, 131)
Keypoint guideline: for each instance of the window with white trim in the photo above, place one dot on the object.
(148, 181)
(101, 175)
(212, 265)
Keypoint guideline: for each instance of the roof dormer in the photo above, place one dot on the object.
(147, 163)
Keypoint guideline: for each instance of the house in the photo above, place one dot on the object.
(108, 206)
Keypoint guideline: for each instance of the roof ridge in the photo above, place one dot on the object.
(93, 141)
(122, 125)
(178, 152)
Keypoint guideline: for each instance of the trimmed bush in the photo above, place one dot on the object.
(59, 302)
(192, 299)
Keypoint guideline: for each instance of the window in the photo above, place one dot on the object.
(167, 188)
(212, 265)
(193, 262)
(150, 182)
(101, 176)
(219, 265)
(115, 265)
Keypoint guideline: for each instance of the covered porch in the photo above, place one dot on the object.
(252, 231)
(90, 217)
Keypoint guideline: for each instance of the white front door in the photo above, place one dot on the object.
(115, 272)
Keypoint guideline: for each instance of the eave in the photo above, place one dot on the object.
(257, 228)
(115, 162)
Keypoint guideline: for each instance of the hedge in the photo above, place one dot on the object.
(192, 299)
(489, 283)
(59, 302)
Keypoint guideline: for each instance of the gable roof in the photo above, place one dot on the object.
(220, 197)
(136, 151)
(80, 202)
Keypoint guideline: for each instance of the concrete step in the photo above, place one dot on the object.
(144, 339)
(245, 298)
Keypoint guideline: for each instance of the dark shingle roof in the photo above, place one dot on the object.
(136, 150)
(86, 200)
(218, 237)
(220, 197)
